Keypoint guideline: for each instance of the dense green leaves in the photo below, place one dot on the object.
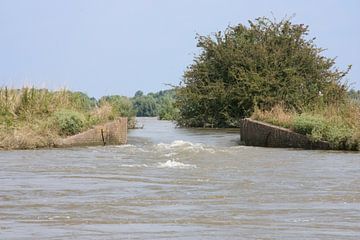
(145, 106)
(160, 104)
(69, 122)
(263, 64)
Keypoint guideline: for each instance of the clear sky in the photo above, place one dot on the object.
(108, 47)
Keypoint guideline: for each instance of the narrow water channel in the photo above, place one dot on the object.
(172, 183)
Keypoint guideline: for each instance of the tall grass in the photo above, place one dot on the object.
(29, 102)
(32, 118)
(338, 124)
(278, 115)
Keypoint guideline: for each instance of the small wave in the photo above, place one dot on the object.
(124, 146)
(184, 145)
(134, 165)
(302, 220)
(128, 148)
(177, 144)
(175, 164)
(170, 154)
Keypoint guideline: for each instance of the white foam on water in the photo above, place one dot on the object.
(178, 144)
(302, 220)
(184, 145)
(175, 164)
(170, 154)
(124, 146)
(134, 165)
(129, 148)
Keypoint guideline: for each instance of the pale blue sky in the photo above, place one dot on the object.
(117, 47)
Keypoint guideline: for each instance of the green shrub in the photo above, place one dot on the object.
(331, 130)
(339, 135)
(308, 124)
(69, 122)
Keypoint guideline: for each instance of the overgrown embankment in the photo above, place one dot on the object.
(35, 118)
(337, 124)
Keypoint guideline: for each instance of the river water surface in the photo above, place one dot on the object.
(170, 183)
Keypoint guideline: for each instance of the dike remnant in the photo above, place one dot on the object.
(256, 133)
(110, 133)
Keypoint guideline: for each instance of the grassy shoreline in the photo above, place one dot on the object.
(36, 118)
(337, 124)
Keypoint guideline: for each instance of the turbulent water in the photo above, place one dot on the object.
(170, 183)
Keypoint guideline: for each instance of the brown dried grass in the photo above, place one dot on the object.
(278, 116)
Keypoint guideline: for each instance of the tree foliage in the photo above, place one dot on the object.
(260, 65)
(69, 122)
(160, 104)
(145, 106)
(121, 105)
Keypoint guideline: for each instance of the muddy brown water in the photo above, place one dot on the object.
(171, 183)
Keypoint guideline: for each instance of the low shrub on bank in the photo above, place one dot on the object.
(337, 124)
(69, 122)
(318, 128)
(307, 123)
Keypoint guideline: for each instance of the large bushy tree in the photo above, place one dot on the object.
(263, 64)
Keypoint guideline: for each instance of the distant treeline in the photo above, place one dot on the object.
(354, 95)
(160, 104)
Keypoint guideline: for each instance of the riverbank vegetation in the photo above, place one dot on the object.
(33, 118)
(161, 104)
(256, 66)
(270, 71)
(337, 123)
